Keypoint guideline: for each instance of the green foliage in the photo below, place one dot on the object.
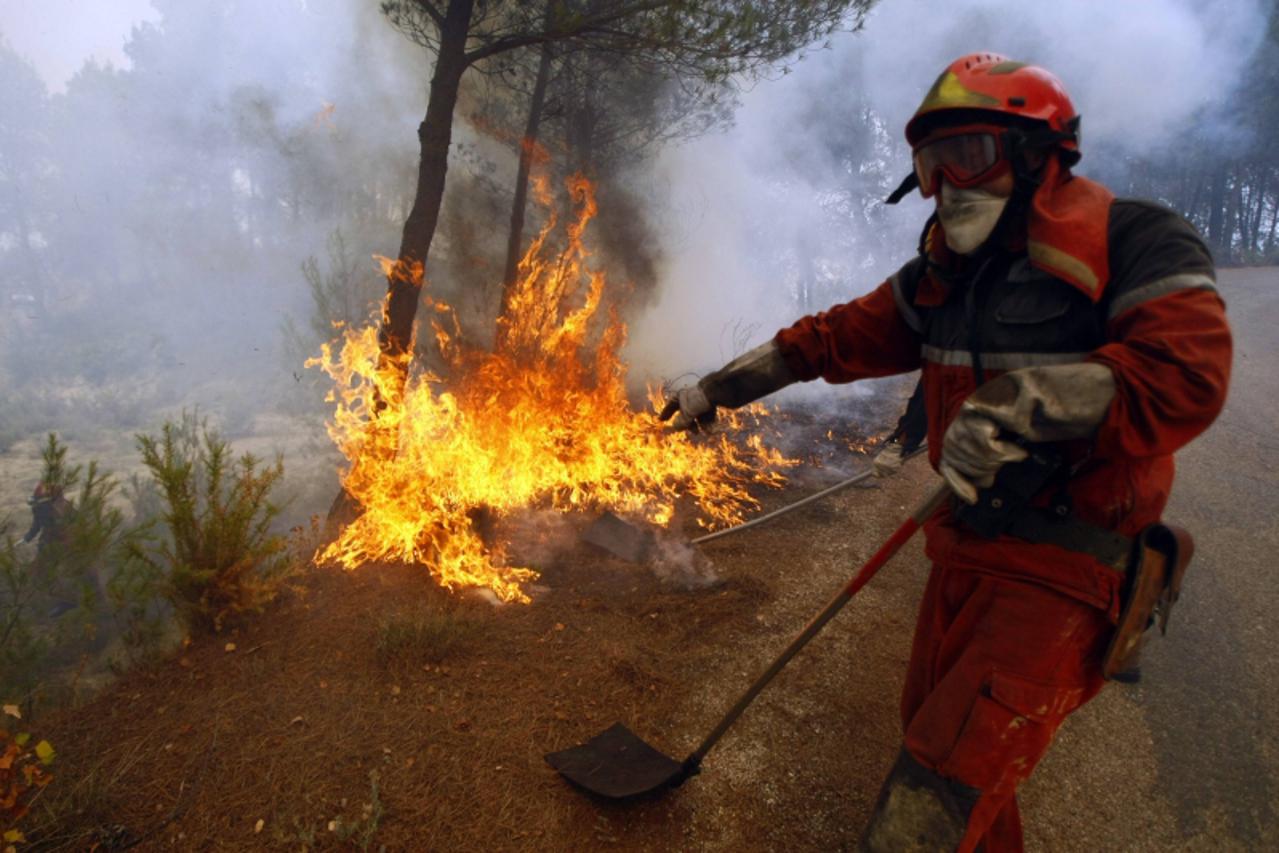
(22, 648)
(422, 636)
(52, 607)
(219, 557)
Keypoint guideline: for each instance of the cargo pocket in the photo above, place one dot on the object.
(1008, 730)
(1043, 316)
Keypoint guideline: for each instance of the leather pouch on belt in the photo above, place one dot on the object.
(1162, 553)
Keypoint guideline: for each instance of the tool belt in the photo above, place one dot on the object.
(1151, 587)
(1153, 565)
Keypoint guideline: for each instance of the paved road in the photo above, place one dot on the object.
(1190, 758)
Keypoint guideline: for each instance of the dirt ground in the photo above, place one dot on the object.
(302, 737)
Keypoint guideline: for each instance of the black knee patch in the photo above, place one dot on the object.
(918, 810)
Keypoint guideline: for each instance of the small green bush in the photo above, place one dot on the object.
(53, 606)
(22, 648)
(219, 557)
(424, 636)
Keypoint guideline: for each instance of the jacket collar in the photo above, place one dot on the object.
(1066, 237)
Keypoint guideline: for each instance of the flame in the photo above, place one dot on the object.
(542, 420)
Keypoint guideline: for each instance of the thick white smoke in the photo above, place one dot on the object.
(743, 210)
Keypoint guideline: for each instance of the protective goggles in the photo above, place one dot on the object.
(967, 156)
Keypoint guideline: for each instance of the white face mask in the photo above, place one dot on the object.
(968, 216)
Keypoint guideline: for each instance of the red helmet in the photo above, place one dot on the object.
(982, 111)
(1005, 91)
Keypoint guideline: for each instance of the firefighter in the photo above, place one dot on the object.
(1042, 312)
(50, 515)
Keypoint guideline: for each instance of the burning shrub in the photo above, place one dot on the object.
(220, 557)
(541, 420)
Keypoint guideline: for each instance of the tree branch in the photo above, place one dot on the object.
(585, 25)
(429, 8)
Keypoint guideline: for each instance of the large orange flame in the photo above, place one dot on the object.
(542, 420)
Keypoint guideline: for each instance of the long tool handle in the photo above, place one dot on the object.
(802, 502)
(885, 553)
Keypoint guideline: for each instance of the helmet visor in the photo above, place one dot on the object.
(966, 157)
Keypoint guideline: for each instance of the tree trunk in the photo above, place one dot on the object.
(403, 288)
(1217, 200)
(1274, 221)
(515, 239)
(1259, 192)
(434, 134)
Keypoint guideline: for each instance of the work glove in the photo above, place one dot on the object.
(889, 460)
(743, 380)
(1037, 404)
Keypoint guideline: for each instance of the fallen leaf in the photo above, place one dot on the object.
(230, 647)
(296, 721)
(395, 690)
(14, 836)
(333, 826)
(409, 762)
(13, 711)
(184, 661)
(257, 827)
(44, 752)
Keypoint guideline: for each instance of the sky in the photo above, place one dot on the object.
(58, 36)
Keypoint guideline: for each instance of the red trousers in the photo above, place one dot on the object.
(996, 666)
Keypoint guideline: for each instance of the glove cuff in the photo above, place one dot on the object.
(1053, 403)
(748, 377)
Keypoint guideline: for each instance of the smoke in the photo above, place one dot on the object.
(153, 218)
(781, 215)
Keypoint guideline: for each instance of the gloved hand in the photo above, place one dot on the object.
(972, 453)
(743, 380)
(889, 460)
(1055, 403)
(690, 408)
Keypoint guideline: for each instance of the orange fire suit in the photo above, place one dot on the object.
(1011, 631)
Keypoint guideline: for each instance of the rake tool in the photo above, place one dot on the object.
(618, 764)
(636, 545)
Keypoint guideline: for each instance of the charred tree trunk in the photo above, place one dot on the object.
(515, 238)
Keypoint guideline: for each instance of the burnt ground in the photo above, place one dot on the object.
(292, 727)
